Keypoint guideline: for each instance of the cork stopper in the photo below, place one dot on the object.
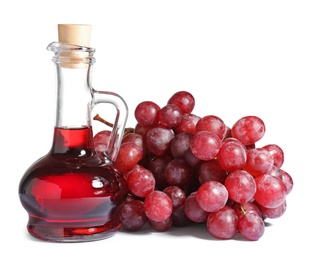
(74, 34)
(78, 34)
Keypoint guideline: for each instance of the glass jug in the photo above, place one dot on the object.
(72, 194)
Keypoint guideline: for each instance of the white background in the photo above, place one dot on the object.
(237, 58)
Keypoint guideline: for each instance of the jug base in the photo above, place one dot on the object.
(64, 232)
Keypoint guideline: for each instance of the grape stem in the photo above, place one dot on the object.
(242, 210)
(100, 119)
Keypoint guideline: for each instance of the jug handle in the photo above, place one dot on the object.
(118, 127)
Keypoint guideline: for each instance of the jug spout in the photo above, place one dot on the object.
(71, 55)
(61, 47)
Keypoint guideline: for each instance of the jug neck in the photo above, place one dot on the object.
(74, 92)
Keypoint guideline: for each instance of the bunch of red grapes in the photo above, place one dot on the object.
(183, 169)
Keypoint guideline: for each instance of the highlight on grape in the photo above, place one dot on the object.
(183, 169)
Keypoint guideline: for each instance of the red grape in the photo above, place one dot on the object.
(146, 113)
(277, 154)
(251, 226)
(273, 212)
(170, 116)
(178, 173)
(211, 171)
(270, 192)
(101, 141)
(100, 148)
(179, 218)
(157, 165)
(193, 210)
(128, 157)
(287, 180)
(136, 139)
(158, 140)
(132, 215)
(158, 206)
(205, 145)
(191, 159)
(140, 181)
(161, 226)
(259, 161)
(212, 124)
(102, 137)
(142, 130)
(176, 194)
(276, 172)
(248, 130)
(232, 156)
(187, 124)
(180, 144)
(241, 186)
(184, 100)
(223, 224)
(212, 196)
